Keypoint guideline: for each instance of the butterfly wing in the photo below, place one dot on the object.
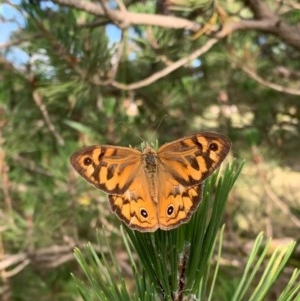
(118, 172)
(109, 168)
(177, 203)
(184, 165)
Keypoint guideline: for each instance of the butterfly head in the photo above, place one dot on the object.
(152, 145)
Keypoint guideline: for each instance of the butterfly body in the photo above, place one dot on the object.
(153, 189)
(150, 161)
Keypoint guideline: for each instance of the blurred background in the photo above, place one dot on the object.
(76, 73)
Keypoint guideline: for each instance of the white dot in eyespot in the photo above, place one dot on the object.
(144, 213)
(170, 210)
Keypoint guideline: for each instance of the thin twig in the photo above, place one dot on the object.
(49, 257)
(5, 292)
(271, 194)
(117, 59)
(5, 182)
(293, 4)
(10, 260)
(182, 274)
(31, 165)
(39, 102)
(122, 5)
(18, 268)
(268, 84)
(19, 41)
(106, 11)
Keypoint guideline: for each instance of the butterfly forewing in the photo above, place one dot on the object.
(109, 168)
(192, 159)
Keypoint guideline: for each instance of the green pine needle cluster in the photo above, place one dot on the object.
(182, 264)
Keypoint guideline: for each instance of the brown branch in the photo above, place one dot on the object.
(121, 5)
(39, 102)
(284, 208)
(286, 73)
(131, 18)
(109, 15)
(48, 257)
(182, 273)
(268, 21)
(18, 41)
(7, 66)
(31, 165)
(17, 269)
(61, 51)
(293, 4)
(10, 260)
(273, 86)
(5, 292)
(265, 20)
(117, 59)
(4, 173)
(164, 72)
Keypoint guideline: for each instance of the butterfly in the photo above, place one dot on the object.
(152, 190)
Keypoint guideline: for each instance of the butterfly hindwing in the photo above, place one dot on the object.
(136, 209)
(178, 205)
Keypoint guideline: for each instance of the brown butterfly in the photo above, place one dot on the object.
(153, 190)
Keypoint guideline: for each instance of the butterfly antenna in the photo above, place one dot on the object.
(128, 127)
(155, 144)
(122, 123)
